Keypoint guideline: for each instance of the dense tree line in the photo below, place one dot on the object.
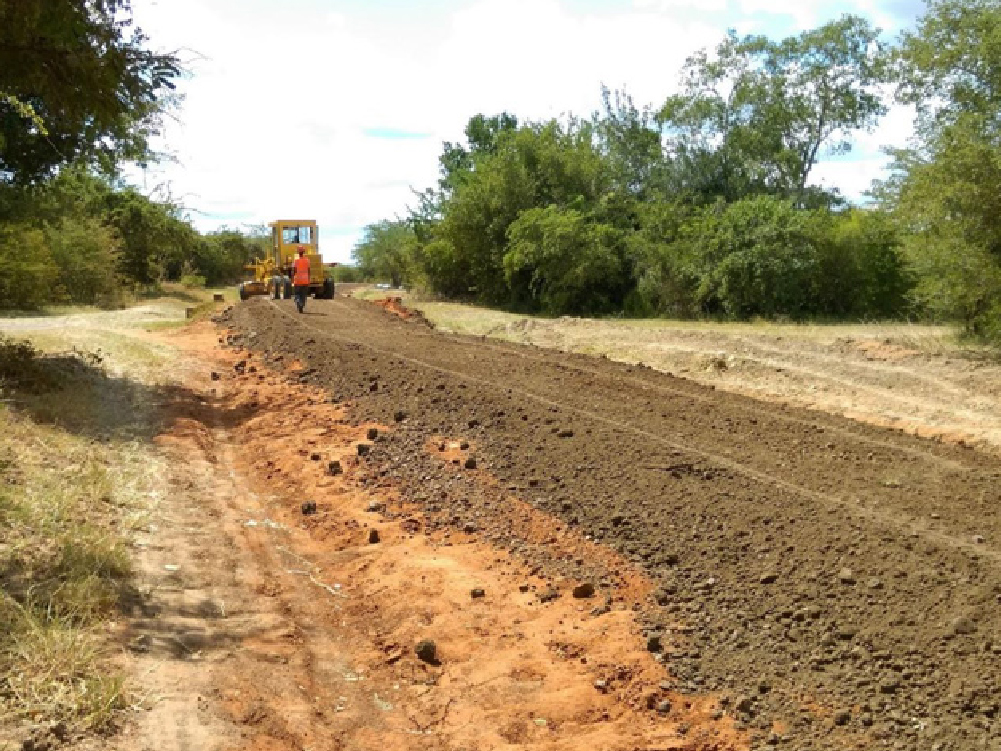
(79, 238)
(703, 206)
(80, 94)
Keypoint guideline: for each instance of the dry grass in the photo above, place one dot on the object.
(74, 485)
(476, 321)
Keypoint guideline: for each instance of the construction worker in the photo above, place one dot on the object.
(300, 279)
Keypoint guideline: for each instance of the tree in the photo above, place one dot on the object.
(756, 117)
(946, 188)
(388, 251)
(567, 262)
(77, 83)
(482, 136)
(629, 138)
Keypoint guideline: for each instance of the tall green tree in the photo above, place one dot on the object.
(946, 189)
(388, 251)
(77, 83)
(757, 116)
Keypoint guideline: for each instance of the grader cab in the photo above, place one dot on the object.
(272, 275)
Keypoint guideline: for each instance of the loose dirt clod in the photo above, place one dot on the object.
(583, 591)
(427, 651)
(548, 595)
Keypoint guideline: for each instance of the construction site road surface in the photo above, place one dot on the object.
(839, 583)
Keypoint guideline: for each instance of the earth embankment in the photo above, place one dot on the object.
(839, 582)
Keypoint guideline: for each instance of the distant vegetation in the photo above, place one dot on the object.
(80, 94)
(702, 207)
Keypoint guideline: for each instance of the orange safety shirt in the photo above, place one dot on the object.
(301, 269)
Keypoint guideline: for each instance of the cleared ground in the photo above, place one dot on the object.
(837, 583)
(918, 378)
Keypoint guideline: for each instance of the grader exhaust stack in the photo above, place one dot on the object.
(272, 275)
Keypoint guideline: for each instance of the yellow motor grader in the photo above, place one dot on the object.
(272, 275)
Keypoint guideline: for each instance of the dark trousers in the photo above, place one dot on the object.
(300, 296)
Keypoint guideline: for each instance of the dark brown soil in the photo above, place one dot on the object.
(839, 582)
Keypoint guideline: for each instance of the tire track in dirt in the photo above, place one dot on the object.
(801, 567)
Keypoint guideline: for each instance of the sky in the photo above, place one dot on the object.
(335, 110)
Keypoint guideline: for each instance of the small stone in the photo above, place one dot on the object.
(601, 684)
(470, 462)
(654, 643)
(769, 578)
(399, 415)
(548, 595)
(842, 717)
(363, 449)
(427, 651)
(372, 433)
(664, 707)
(469, 528)
(874, 583)
(978, 539)
(477, 592)
(314, 457)
(464, 446)
(583, 591)
(524, 587)
(373, 536)
(567, 433)
(308, 508)
(845, 576)
(962, 626)
(744, 704)
(215, 376)
(889, 686)
(334, 467)
(606, 607)
(375, 507)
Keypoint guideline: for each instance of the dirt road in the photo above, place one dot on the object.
(257, 625)
(836, 585)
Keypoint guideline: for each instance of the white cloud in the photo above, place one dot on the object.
(280, 97)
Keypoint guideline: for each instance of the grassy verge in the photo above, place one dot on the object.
(75, 482)
(581, 334)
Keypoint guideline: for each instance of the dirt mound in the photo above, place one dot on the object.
(395, 306)
(837, 582)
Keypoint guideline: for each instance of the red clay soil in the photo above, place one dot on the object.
(268, 628)
(395, 306)
(837, 584)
